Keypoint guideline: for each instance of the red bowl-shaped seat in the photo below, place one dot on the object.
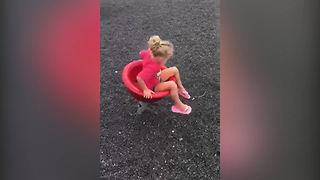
(129, 78)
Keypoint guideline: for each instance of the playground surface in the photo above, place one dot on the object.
(159, 144)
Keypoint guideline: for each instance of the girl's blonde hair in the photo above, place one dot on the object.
(160, 47)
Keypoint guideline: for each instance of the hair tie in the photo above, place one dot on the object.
(157, 45)
(165, 44)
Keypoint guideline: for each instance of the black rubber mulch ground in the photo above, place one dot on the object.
(160, 144)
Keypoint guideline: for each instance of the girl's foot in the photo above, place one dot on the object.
(184, 93)
(184, 110)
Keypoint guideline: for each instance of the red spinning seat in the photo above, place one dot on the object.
(129, 78)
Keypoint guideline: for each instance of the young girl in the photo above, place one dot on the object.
(151, 78)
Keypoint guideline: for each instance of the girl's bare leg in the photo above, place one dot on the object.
(172, 71)
(172, 86)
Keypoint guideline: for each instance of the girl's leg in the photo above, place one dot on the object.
(172, 71)
(172, 86)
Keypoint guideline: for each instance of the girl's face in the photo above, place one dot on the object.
(164, 60)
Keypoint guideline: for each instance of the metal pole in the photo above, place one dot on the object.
(142, 106)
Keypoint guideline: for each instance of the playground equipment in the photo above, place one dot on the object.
(129, 78)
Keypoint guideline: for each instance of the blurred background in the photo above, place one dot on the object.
(51, 90)
(269, 89)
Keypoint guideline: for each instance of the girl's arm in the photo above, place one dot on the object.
(147, 93)
(141, 84)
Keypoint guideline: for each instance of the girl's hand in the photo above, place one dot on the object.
(147, 94)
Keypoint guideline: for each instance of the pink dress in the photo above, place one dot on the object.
(150, 71)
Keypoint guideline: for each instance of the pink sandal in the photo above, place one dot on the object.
(184, 93)
(177, 110)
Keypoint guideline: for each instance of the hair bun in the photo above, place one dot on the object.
(160, 47)
(154, 41)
